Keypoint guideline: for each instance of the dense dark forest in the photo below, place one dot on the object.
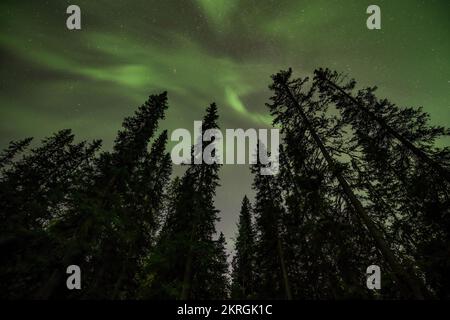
(361, 182)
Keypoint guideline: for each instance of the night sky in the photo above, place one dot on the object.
(203, 51)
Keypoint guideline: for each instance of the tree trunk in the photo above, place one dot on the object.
(46, 292)
(187, 278)
(287, 287)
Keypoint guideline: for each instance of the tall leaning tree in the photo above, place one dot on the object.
(408, 193)
(290, 97)
(329, 82)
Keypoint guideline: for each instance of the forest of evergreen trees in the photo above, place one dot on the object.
(361, 182)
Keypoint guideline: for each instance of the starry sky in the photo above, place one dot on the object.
(202, 51)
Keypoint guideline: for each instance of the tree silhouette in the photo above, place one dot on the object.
(361, 182)
(327, 81)
(409, 196)
(286, 99)
(272, 279)
(187, 257)
(244, 264)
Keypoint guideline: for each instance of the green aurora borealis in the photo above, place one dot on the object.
(207, 50)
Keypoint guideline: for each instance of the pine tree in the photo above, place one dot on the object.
(162, 275)
(290, 101)
(141, 214)
(186, 251)
(38, 190)
(92, 228)
(325, 254)
(14, 148)
(272, 276)
(409, 196)
(243, 277)
(135, 181)
(327, 82)
(214, 276)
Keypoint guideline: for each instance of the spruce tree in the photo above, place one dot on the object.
(37, 191)
(290, 100)
(326, 255)
(93, 227)
(409, 196)
(244, 264)
(272, 276)
(179, 268)
(328, 83)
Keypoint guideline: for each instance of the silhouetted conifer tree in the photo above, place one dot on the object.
(244, 264)
(36, 191)
(291, 100)
(94, 232)
(407, 190)
(180, 267)
(272, 279)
